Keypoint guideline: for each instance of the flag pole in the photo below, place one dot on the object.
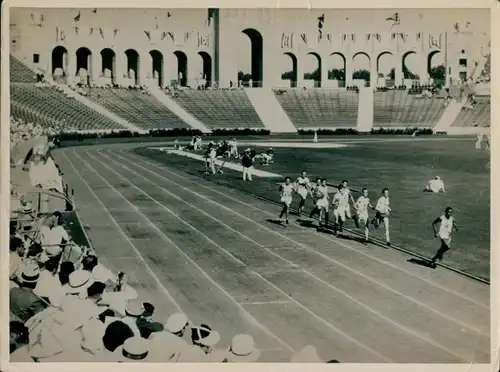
(446, 72)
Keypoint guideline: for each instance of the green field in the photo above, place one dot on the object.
(403, 167)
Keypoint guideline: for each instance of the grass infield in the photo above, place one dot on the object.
(403, 167)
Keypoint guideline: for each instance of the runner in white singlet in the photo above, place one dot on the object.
(446, 226)
(303, 188)
(286, 191)
(362, 205)
(383, 209)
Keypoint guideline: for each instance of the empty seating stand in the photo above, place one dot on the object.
(320, 107)
(48, 106)
(138, 108)
(223, 108)
(19, 73)
(479, 116)
(398, 109)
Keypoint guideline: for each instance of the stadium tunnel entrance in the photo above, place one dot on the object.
(257, 55)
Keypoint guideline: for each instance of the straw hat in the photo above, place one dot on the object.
(30, 273)
(134, 308)
(242, 350)
(79, 281)
(134, 349)
(191, 354)
(307, 355)
(176, 322)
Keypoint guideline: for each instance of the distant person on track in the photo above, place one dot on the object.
(211, 155)
(362, 205)
(247, 163)
(382, 211)
(435, 185)
(315, 196)
(286, 191)
(446, 226)
(303, 188)
(315, 138)
(234, 148)
(321, 196)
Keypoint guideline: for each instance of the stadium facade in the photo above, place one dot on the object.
(145, 46)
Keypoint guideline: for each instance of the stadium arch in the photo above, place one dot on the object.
(380, 55)
(133, 60)
(352, 63)
(343, 69)
(84, 63)
(257, 55)
(207, 66)
(317, 82)
(108, 64)
(428, 62)
(157, 66)
(294, 71)
(403, 63)
(59, 60)
(182, 67)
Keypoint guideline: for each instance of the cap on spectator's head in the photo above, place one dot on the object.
(30, 272)
(243, 349)
(134, 308)
(134, 349)
(79, 281)
(176, 322)
(204, 335)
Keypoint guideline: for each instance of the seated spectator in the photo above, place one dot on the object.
(44, 174)
(115, 335)
(435, 185)
(19, 341)
(24, 304)
(65, 271)
(177, 324)
(49, 287)
(167, 345)
(191, 354)
(134, 349)
(206, 338)
(242, 350)
(53, 235)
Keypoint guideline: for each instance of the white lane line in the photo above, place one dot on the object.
(324, 321)
(395, 324)
(472, 328)
(167, 239)
(139, 256)
(430, 282)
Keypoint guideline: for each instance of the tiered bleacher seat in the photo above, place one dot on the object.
(220, 108)
(48, 106)
(479, 116)
(19, 73)
(325, 108)
(140, 109)
(400, 109)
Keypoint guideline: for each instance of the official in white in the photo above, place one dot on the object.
(247, 163)
(233, 148)
(435, 185)
(446, 226)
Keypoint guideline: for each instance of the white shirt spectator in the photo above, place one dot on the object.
(49, 286)
(52, 237)
(435, 185)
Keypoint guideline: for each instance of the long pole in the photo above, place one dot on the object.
(446, 72)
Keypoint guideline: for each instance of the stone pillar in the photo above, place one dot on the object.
(423, 68)
(300, 70)
(324, 71)
(398, 72)
(120, 67)
(144, 67)
(95, 67)
(348, 70)
(228, 43)
(373, 71)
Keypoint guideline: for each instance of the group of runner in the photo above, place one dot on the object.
(341, 203)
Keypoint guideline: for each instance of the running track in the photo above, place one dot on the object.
(187, 244)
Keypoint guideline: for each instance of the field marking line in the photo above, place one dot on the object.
(430, 282)
(324, 321)
(139, 256)
(266, 302)
(395, 324)
(249, 317)
(307, 247)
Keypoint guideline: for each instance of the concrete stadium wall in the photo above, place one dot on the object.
(294, 32)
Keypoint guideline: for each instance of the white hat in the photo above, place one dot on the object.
(134, 349)
(79, 281)
(134, 308)
(205, 336)
(307, 355)
(192, 354)
(242, 349)
(166, 346)
(30, 272)
(92, 333)
(176, 322)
